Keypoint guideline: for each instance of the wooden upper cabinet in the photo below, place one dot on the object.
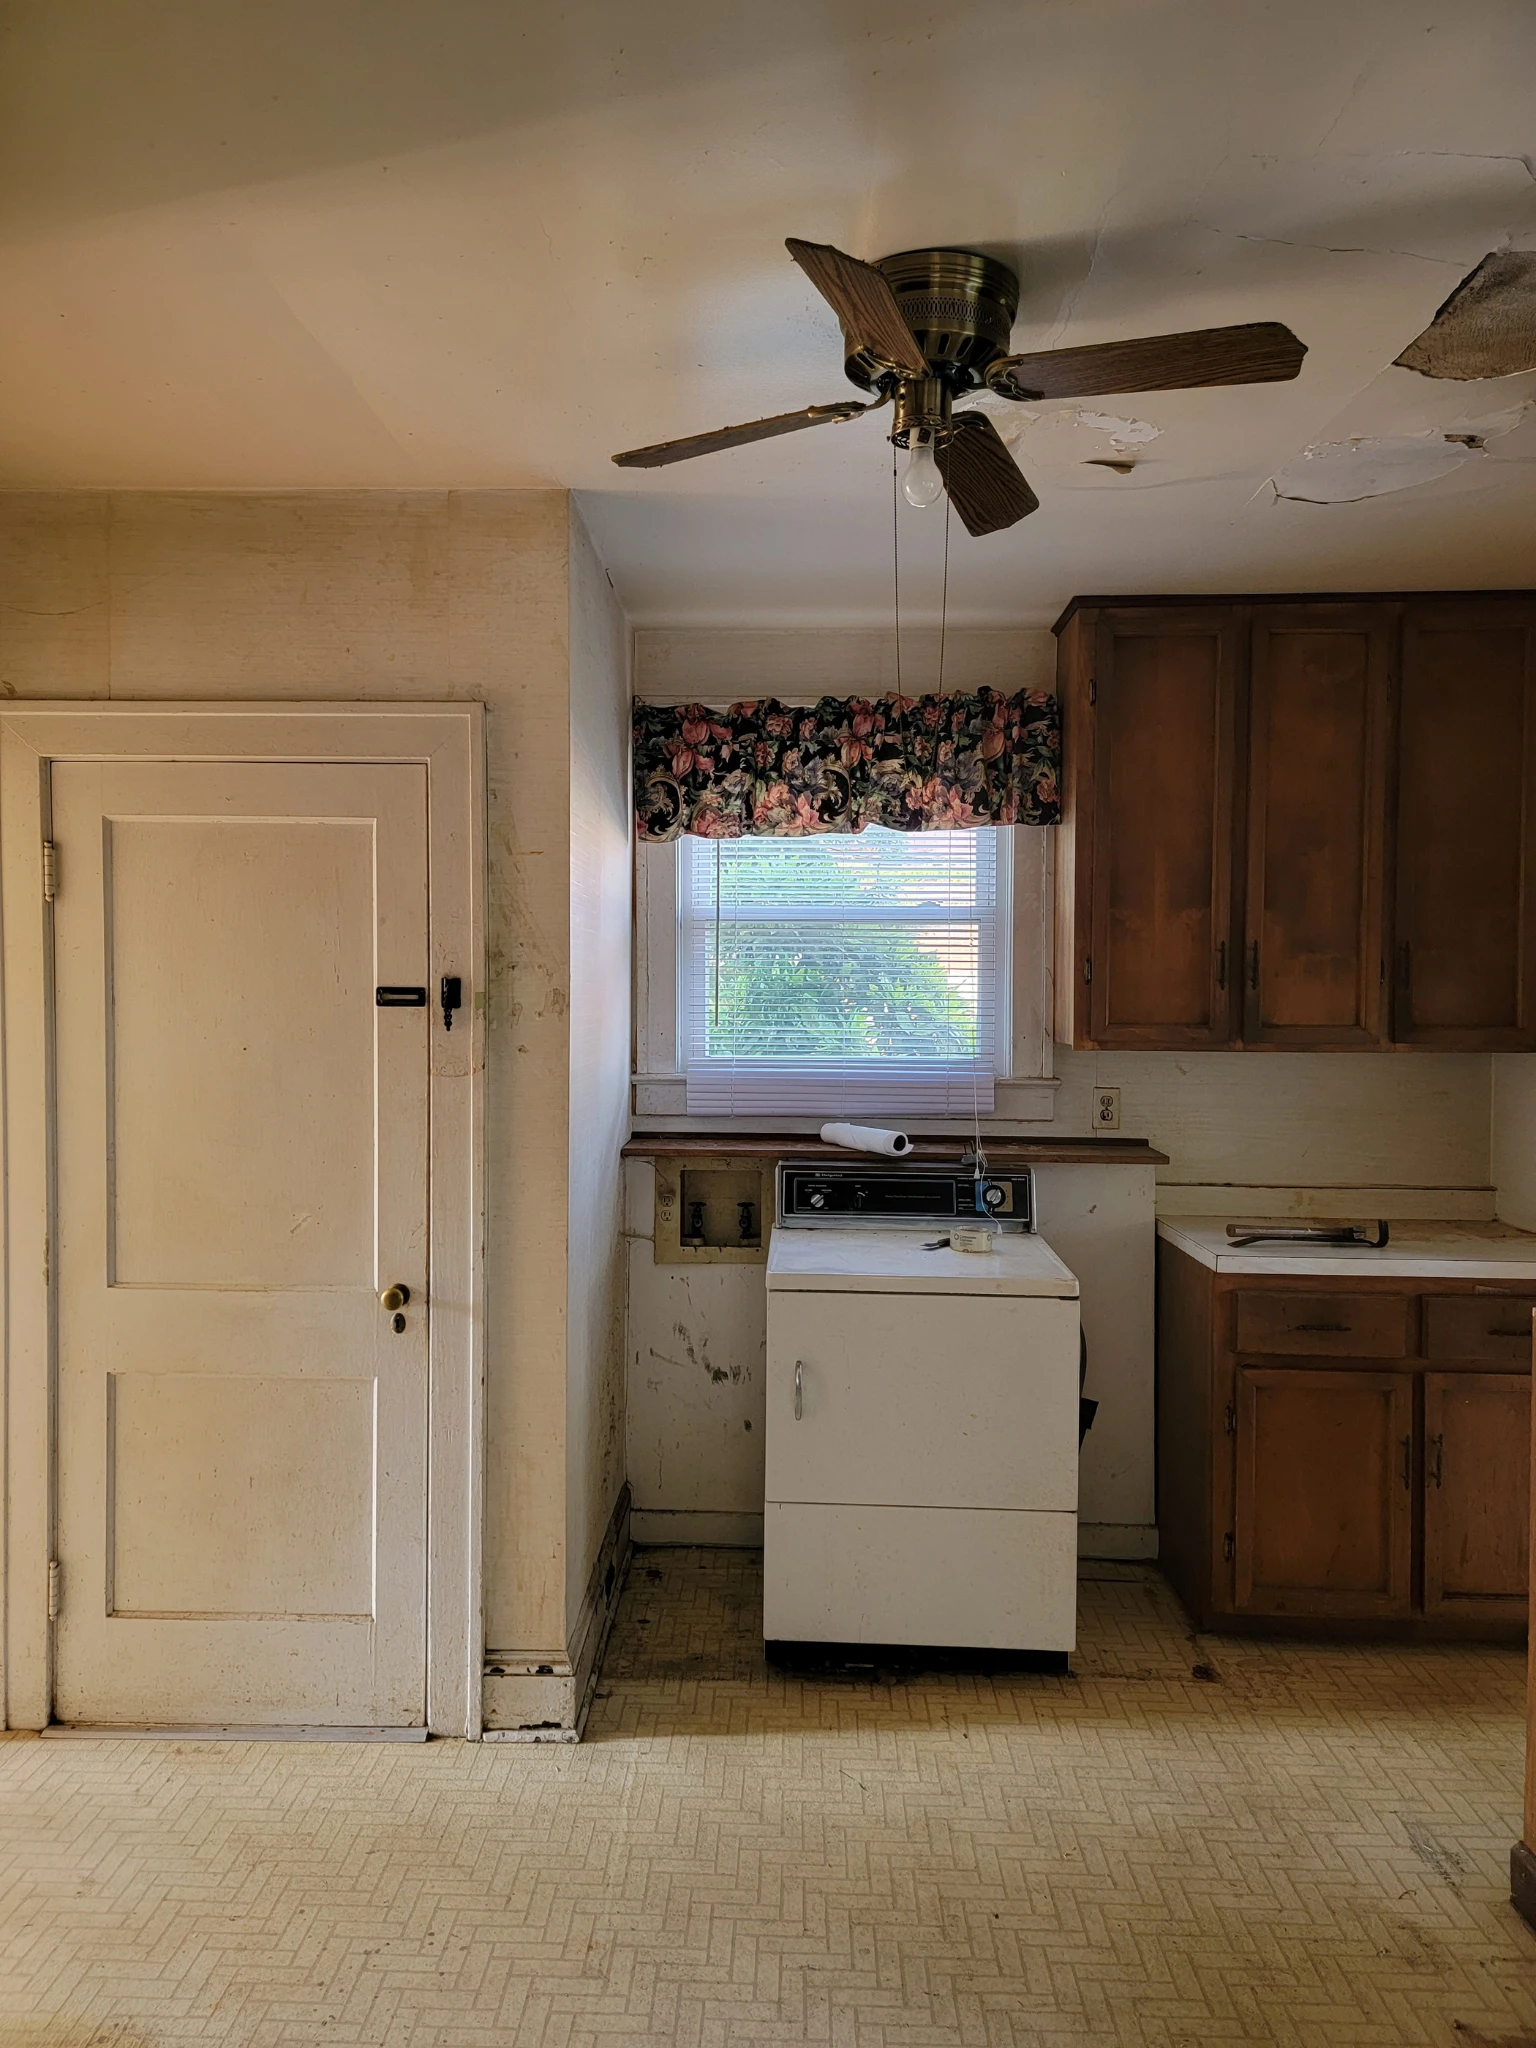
(1314, 952)
(1466, 919)
(1151, 710)
(1298, 823)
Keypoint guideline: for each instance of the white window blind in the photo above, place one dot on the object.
(843, 974)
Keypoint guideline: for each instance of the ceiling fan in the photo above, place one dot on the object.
(923, 328)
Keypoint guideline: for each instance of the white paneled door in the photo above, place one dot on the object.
(241, 1173)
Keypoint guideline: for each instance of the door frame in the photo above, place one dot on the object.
(448, 740)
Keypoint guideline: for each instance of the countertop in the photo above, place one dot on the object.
(1002, 1153)
(897, 1260)
(1430, 1251)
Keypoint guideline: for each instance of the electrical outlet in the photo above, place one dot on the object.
(1106, 1109)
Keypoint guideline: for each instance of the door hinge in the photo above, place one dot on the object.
(55, 1588)
(1229, 1546)
(1231, 1418)
(50, 871)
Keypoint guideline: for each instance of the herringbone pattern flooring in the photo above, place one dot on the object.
(1184, 1844)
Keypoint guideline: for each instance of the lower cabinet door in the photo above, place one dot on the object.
(966, 1578)
(1324, 1493)
(1477, 1480)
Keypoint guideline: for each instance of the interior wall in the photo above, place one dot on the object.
(601, 976)
(1263, 1133)
(372, 596)
(1514, 1137)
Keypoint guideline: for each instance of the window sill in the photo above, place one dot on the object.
(679, 1141)
(661, 1102)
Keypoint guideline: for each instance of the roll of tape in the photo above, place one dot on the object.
(974, 1237)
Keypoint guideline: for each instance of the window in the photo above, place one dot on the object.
(844, 973)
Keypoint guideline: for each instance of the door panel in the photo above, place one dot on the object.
(241, 1167)
(1466, 920)
(1324, 1492)
(225, 1449)
(1477, 1477)
(1164, 765)
(207, 1038)
(1314, 966)
(923, 1401)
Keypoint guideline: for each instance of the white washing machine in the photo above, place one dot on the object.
(923, 1402)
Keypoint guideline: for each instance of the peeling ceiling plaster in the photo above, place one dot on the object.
(1372, 465)
(270, 245)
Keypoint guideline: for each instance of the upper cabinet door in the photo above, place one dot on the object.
(1314, 956)
(1161, 757)
(1465, 916)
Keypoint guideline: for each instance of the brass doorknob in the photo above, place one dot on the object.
(395, 1297)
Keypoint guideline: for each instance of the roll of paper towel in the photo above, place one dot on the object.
(865, 1138)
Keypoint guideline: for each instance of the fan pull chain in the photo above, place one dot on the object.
(896, 564)
(944, 595)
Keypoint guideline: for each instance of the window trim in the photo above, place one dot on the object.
(1026, 1088)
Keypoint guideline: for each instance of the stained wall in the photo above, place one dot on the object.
(493, 596)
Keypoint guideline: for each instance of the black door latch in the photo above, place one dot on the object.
(397, 998)
(453, 999)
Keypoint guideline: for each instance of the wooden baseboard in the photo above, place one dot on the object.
(695, 1528)
(1522, 1881)
(529, 1697)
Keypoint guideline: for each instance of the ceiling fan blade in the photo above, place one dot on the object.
(985, 484)
(663, 452)
(863, 300)
(1263, 352)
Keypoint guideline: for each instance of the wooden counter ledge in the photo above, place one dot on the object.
(1001, 1152)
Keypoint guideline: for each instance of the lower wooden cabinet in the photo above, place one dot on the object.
(1477, 1477)
(1324, 1492)
(1341, 1457)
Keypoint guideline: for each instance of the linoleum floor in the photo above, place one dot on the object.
(1187, 1842)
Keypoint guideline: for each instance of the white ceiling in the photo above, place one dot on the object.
(379, 243)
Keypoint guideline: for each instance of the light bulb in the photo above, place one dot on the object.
(922, 482)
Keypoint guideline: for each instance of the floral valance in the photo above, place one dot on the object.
(915, 764)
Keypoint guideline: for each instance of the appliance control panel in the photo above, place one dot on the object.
(810, 1193)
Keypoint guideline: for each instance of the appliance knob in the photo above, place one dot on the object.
(818, 1200)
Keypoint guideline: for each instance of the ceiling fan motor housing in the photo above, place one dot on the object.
(961, 308)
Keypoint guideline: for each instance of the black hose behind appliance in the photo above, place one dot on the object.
(1086, 1409)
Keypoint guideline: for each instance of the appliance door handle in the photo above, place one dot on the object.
(799, 1388)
